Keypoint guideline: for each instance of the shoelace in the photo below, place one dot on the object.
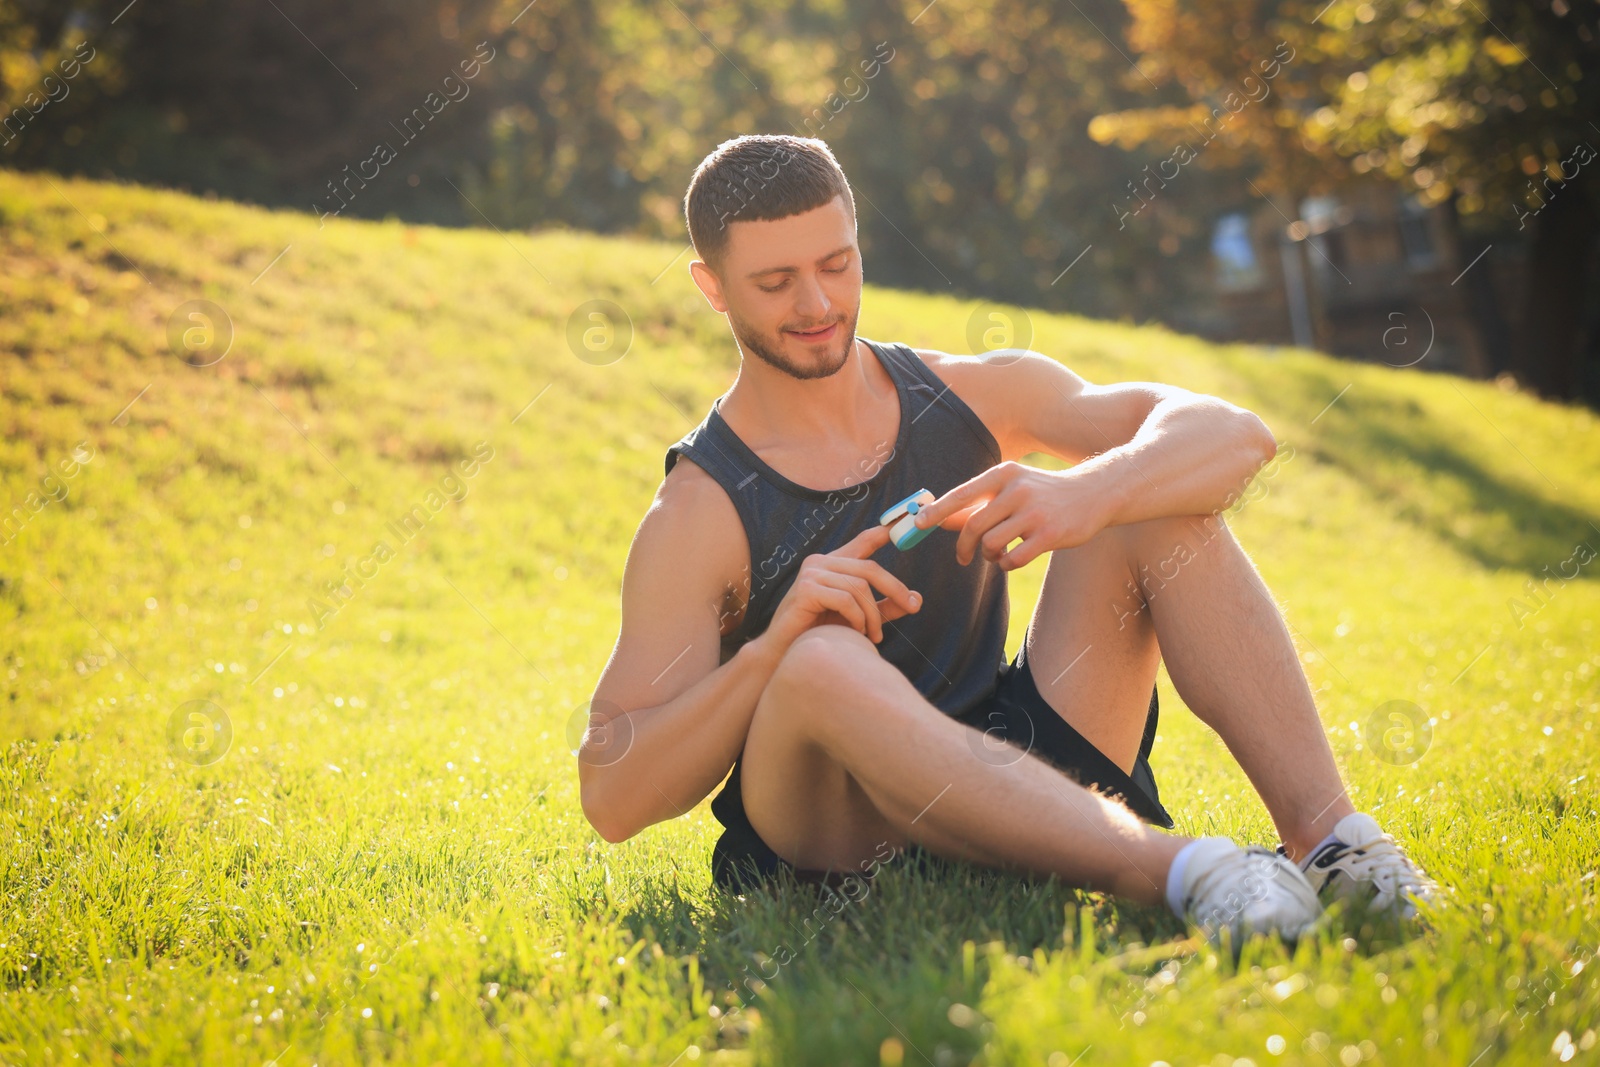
(1383, 864)
(1260, 863)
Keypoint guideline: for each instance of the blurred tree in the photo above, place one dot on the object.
(1488, 107)
(972, 150)
(962, 123)
(268, 102)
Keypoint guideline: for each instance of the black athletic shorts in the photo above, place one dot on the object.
(1014, 711)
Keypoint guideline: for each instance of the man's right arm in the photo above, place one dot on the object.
(667, 721)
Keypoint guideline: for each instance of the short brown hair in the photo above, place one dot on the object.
(759, 177)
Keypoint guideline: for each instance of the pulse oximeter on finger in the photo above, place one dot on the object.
(902, 520)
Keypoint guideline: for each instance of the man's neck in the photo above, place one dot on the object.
(813, 425)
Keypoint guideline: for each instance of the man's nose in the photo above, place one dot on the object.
(811, 300)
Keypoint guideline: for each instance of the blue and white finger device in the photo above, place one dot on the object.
(902, 520)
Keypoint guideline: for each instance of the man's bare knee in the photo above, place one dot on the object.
(1158, 550)
(810, 665)
(828, 671)
(823, 657)
(797, 789)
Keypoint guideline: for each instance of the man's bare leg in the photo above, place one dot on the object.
(1200, 604)
(843, 754)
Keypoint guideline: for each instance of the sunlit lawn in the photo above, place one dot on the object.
(389, 861)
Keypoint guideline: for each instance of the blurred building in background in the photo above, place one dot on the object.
(1369, 273)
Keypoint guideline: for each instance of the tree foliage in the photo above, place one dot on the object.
(1489, 107)
(992, 145)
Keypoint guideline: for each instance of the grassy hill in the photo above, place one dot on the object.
(389, 861)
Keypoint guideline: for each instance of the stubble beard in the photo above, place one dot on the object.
(770, 352)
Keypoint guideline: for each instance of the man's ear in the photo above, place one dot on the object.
(709, 284)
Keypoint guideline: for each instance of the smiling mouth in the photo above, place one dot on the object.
(812, 336)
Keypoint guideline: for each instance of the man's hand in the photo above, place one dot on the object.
(1047, 509)
(836, 587)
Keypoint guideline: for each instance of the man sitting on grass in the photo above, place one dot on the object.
(753, 638)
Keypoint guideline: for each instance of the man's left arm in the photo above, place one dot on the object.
(1142, 450)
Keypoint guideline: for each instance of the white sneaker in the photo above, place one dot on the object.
(1250, 890)
(1363, 862)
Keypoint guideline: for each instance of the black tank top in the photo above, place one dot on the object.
(952, 650)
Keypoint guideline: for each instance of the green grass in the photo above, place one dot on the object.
(390, 861)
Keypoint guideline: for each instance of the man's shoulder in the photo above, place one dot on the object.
(689, 492)
(990, 372)
(988, 384)
(694, 520)
(696, 505)
(982, 368)
(937, 360)
(1033, 402)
